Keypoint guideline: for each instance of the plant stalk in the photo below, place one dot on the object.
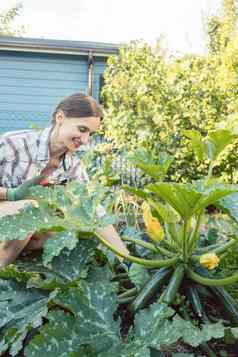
(218, 250)
(194, 237)
(149, 263)
(212, 282)
(127, 293)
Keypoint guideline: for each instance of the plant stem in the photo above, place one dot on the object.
(126, 300)
(217, 250)
(195, 235)
(127, 293)
(149, 263)
(185, 241)
(123, 276)
(150, 246)
(140, 242)
(209, 175)
(212, 282)
(169, 247)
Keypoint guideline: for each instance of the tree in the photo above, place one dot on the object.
(222, 29)
(7, 19)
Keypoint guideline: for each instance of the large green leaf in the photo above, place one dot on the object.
(138, 275)
(212, 191)
(193, 335)
(55, 244)
(217, 141)
(144, 161)
(188, 199)
(137, 191)
(210, 146)
(68, 266)
(197, 143)
(21, 310)
(156, 327)
(93, 306)
(73, 208)
(71, 265)
(28, 220)
(182, 197)
(165, 211)
(229, 205)
(153, 328)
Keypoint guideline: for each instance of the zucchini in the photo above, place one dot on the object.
(229, 304)
(149, 289)
(174, 285)
(204, 345)
(120, 276)
(195, 301)
(127, 293)
(125, 300)
(209, 352)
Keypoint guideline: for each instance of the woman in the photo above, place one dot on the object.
(29, 157)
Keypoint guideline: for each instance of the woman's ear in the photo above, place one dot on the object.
(59, 116)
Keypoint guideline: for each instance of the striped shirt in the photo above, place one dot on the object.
(25, 153)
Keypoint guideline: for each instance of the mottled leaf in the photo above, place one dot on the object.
(55, 244)
(93, 306)
(20, 310)
(28, 220)
(138, 274)
(74, 264)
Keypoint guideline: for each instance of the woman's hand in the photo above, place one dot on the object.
(21, 192)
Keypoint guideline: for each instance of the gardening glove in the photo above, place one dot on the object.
(21, 192)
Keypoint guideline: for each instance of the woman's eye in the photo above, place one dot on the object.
(82, 130)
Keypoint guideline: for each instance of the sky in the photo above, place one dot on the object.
(180, 23)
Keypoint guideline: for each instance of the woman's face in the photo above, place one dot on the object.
(74, 132)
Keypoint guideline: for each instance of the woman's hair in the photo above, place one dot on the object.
(78, 105)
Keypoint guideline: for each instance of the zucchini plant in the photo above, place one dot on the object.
(64, 304)
(174, 215)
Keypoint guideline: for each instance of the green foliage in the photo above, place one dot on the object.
(29, 290)
(65, 211)
(65, 304)
(189, 199)
(150, 102)
(7, 22)
(92, 306)
(138, 275)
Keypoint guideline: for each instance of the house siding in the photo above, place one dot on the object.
(32, 84)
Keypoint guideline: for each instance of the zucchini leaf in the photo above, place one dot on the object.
(55, 244)
(188, 199)
(92, 306)
(21, 310)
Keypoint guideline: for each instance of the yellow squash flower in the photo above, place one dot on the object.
(209, 260)
(152, 224)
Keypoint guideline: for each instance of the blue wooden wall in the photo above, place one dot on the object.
(32, 84)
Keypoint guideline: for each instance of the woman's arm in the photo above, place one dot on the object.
(9, 250)
(3, 193)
